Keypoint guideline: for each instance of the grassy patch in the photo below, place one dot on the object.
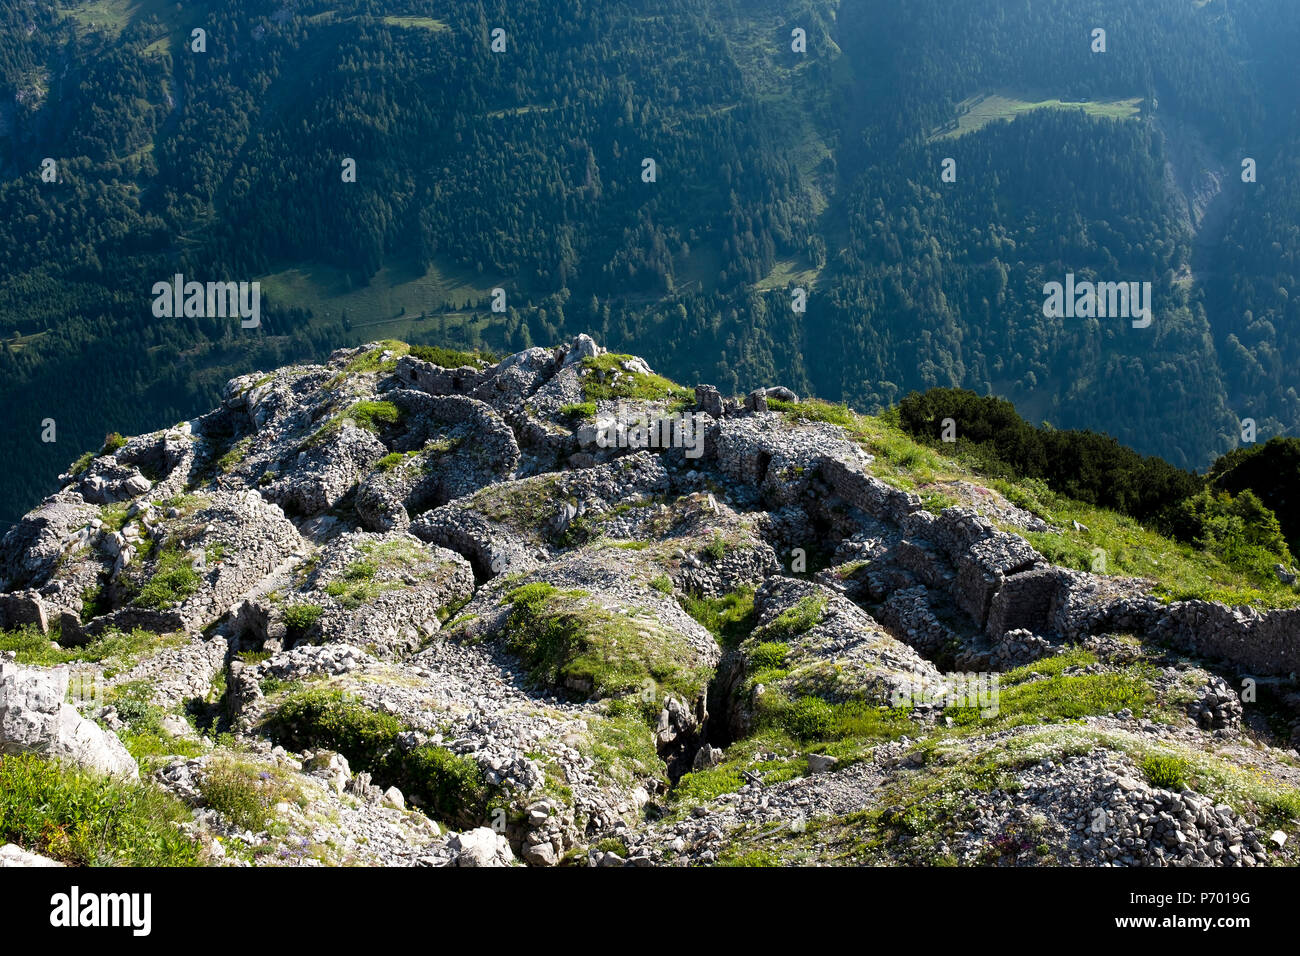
(234, 455)
(373, 416)
(119, 648)
(173, 580)
(579, 411)
(433, 777)
(729, 618)
(813, 410)
(622, 746)
(1168, 771)
(1021, 699)
(449, 358)
(1112, 543)
(85, 819)
(114, 517)
(245, 792)
(606, 379)
(803, 616)
(595, 652)
(372, 360)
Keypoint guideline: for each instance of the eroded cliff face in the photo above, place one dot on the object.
(558, 609)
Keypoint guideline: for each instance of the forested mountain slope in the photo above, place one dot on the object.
(522, 170)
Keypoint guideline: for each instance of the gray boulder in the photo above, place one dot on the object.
(481, 847)
(35, 719)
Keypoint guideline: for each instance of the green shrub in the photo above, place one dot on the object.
(1271, 471)
(453, 787)
(808, 718)
(663, 584)
(1167, 771)
(112, 442)
(769, 655)
(85, 819)
(318, 717)
(434, 777)
(1240, 530)
(299, 619)
(82, 463)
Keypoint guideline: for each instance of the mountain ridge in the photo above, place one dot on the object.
(416, 606)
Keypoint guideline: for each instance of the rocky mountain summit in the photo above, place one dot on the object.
(420, 607)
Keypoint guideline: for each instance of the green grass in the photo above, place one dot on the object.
(118, 647)
(770, 655)
(369, 415)
(1179, 571)
(813, 410)
(803, 616)
(82, 463)
(143, 733)
(114, 15)
(84, 819)
(813, 721)
(236, 453)
(1041, 693)
(729, 618)
(360, 584)
(419, 23)
(114, 516)
(622, 747)
(1168, 771)
(450, 358)
(112, 442)
(246, 792)
(174, 579)
(374, 416)
(300, 619)
(606, 379)
(451, 786)
(978, 111)
(579, 410)
(389, 304)
(321, 717)
(567, 643)
(701, 786)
